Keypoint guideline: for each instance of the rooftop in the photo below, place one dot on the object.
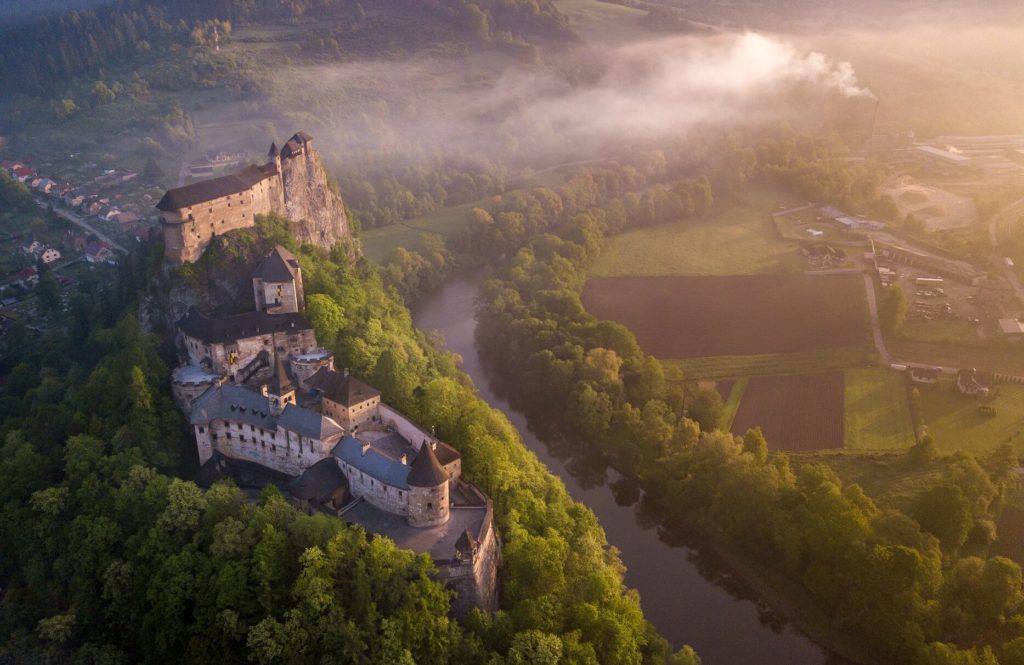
(279, 266)
(230, 402)
(341, 388)
(215, 188)
(239, 326)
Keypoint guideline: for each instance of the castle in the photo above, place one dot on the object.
(265, 401)
(293, 183)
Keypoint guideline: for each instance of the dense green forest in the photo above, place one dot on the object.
(109, 554)
(915, 586)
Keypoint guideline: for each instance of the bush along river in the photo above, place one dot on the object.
(686, 591)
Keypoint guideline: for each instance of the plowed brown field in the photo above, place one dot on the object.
(798, 412)
(693, 317)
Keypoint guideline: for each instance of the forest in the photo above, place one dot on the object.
(909, 586)
(50, 50)
(110, 554)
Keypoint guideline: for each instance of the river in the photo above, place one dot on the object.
(688, 597)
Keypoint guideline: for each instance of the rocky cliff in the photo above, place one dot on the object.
(317, 212)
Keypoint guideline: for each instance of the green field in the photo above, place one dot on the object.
(736, 238)
(954, 422)
(720, 367)
(733, 403)
(877, 413)
(378, 242)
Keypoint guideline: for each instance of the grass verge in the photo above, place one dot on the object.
(733, 403)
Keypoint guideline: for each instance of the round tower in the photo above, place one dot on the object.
(428, 489)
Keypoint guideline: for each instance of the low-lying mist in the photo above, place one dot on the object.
(595, 102)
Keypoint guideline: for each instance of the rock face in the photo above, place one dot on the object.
(293, 184)
(317, 212)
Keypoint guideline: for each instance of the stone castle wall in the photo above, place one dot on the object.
(475, 582)
(283, 451)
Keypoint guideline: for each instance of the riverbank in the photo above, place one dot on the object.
(684, 589)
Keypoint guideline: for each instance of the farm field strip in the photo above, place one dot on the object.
(877, 412)
(716, 367)
(695, 317)
(800, 412)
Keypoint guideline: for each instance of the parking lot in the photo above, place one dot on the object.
(939, 309)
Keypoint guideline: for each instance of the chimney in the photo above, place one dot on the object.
(405, 459)
(366, 447)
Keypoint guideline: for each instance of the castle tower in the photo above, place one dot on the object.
(279, 391)
(428, 489)
(274, 156)
(277, 283)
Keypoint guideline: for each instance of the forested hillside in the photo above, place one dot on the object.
(110, 554)
(37, 55)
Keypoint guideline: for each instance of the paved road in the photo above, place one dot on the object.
(78, 221)
(876, 326)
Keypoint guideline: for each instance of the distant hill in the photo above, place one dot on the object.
(13, 11)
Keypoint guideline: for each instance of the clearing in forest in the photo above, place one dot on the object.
(877, 410)
(736, 238)
(693, 317)
(800, 412)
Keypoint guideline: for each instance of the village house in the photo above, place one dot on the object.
(97, 251)
(49, 255)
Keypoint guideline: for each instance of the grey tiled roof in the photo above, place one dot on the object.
(236, 403)
(230, 402)
(373, 464)
(308, 423)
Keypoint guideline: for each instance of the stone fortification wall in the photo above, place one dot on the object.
(414, 434)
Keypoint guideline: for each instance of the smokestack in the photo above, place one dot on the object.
(874, 124)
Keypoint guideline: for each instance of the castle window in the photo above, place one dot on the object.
(429, 505)
(399, 494)
(213, 436)
(229, 435)
(241, 437)
(202, 430)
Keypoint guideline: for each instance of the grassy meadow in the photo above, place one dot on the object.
(877, 410)
(954, 422)
(736, 238)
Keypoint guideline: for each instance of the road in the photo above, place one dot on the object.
(876, 325)
(993, 235)
(78, 221)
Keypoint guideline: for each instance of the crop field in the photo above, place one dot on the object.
(954, 422)
(797, 412)
(694, 317)
(715, 367)
(877, 413)
(736, 238)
